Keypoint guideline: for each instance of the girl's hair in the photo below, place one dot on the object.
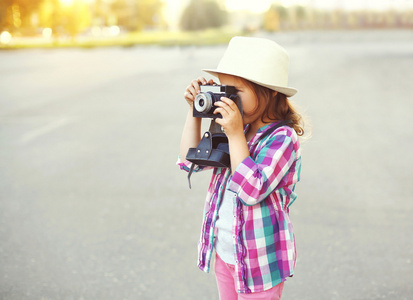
(277, 108)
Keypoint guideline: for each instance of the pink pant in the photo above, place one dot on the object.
(225, 275)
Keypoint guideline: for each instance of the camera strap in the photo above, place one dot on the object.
(214, 127)
(205, 154)
(191, 170)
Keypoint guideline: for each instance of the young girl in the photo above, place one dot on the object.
(246, 211)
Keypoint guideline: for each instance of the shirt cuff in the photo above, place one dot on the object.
(184, 165)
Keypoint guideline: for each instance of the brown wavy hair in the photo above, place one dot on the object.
(277, 108)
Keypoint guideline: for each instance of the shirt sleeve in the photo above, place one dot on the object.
(254, 180)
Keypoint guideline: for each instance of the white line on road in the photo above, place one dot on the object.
(36, 133)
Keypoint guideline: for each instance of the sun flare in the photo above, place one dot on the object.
(67, 2)
(71, 2)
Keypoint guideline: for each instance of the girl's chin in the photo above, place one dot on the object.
(248, 120)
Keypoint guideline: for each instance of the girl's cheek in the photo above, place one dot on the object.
(246, 106)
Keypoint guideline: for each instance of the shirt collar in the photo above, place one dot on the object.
(259, 133)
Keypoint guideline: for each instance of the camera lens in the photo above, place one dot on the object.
(203, 102)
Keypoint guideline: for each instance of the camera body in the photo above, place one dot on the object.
(204, 103)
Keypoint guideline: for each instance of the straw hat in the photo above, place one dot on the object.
(259, 60)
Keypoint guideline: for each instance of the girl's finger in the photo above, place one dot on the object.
(225, 105)
(222, 111)
(219, 121)
(231, 104)
(195, 85)
(192, 90)
(221, 104)
(202, 80)
(188, 96)
(197, 82)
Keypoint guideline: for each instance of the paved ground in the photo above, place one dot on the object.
(92, 205)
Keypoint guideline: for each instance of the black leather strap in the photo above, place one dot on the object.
(190, 173)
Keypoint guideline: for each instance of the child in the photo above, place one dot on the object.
(246, 212)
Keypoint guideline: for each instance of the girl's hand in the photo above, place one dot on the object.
(232, 124)
(231, 120)
(194, 88)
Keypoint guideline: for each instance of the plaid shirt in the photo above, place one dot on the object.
(264, 182)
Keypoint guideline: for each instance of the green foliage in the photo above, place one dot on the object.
(271, 20)
(281, 11)
(203, 14)
(138, 14)
(301, 12)
(50, 14)
(76, 18)
(278, 16)
(73, 17)
(16, 14)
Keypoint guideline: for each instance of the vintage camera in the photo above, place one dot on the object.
(213, 149)
(204, 103)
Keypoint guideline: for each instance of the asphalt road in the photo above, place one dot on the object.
(92, 205)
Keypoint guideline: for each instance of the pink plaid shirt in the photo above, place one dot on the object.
(264, 182)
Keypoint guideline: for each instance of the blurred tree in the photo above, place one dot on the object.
(17, 14)
(274, 18)
(99, 13)
(70, 19)
(149, 13)
(300, 16)
(50, 15)
(203, 14)
(135, 15)
(75, 17)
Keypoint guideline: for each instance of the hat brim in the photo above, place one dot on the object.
(288, 91)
